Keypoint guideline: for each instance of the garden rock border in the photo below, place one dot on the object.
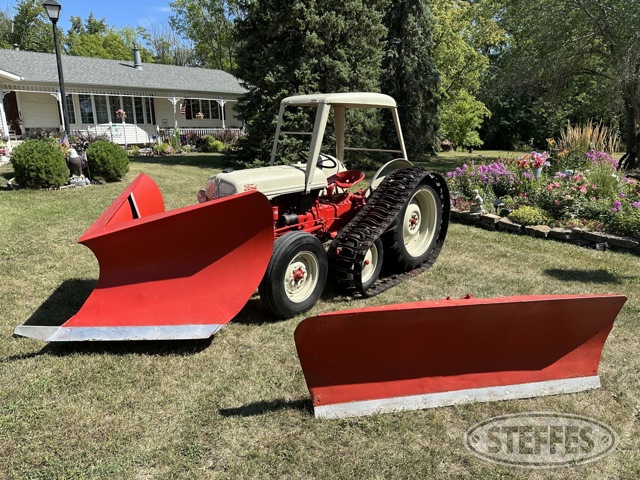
(576, 236)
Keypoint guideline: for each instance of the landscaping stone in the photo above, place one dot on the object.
(595, 237)
(509, 226)
(576, 236)
(538, 231)
(622, 242)
(469, 218)
(488, 221)
(564, 234)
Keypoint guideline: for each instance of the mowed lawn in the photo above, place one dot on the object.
(237, 406)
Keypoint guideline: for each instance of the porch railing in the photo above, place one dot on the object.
(191, 136)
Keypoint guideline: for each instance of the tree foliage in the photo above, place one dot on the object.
(465, 34)
(209, 25)
(583, 55)
(28, 28)
(168, 48)
(410, 75)
(94, 38)
(305, 46)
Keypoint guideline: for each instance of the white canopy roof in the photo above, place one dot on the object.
(348, 100)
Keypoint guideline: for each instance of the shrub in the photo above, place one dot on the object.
(39, 164)
(134, 151)
(625, 222)
(162, 149)
(107, 161)
(209, 144)
(527, 215)
(230, 136)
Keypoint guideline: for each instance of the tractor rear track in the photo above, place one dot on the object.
(348, 249)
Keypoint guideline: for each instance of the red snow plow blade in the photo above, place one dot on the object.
(181, 274)
(429, 354)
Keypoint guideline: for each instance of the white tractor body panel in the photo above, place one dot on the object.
(272, 181)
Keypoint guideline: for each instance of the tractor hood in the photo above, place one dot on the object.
(270, 181)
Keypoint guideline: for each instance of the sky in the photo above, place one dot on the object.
(117, 13)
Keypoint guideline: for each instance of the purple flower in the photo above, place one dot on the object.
(635, 204)
(617, 206)
(621, 195)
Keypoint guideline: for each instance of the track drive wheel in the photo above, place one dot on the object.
(414, 233)
(296, 275)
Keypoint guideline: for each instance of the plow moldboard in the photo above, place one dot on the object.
(429, 354)
(181, 274)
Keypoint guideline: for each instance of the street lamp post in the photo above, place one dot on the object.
(53, 12)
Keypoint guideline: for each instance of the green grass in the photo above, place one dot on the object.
(447, 161)
(237, 406)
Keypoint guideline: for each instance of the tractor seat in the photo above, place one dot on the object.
(346, 179)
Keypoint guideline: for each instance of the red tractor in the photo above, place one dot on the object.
(323, 224)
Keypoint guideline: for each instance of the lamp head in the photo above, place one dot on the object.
(53, 9)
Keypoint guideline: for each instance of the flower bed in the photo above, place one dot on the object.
(560, 191)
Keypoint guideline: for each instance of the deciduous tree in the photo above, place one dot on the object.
(209, 25)
(465, 34)
(557, 45)
(28, 28)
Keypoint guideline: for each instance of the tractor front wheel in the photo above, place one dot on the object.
(296, 275)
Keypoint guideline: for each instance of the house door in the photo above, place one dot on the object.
(11, 110)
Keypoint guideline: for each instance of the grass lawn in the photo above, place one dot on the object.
(447, 161)
(237, 406)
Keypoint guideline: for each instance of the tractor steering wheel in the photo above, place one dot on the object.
(324, 161)
(327, 161)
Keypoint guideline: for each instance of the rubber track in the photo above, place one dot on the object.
(348, 249)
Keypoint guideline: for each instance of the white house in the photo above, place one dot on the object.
(153, 96)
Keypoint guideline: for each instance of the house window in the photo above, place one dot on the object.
(208, 107)
(102, 109)
(205, 108)
(86, 109)
(71, 112)
(150, 112)
(102, 112)
(114, 105)
(127, 106)
(138, 108)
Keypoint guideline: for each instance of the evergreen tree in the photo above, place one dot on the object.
(410, 74)
(303, 46)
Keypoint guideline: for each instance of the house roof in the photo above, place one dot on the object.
(34, 67)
